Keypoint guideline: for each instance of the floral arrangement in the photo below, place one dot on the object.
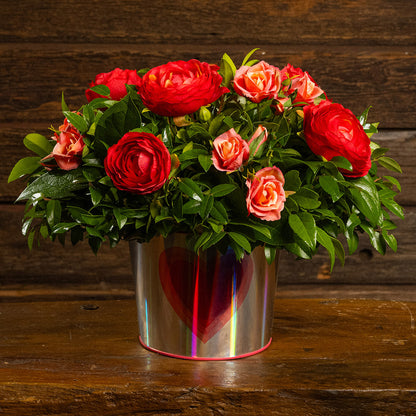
(254, 156)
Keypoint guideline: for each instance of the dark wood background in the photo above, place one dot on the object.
(360, 53)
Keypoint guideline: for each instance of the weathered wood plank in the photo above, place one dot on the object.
(354, 76)
(58, 267)
(332, 357)
(328, 22)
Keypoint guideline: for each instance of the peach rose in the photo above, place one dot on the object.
(230, 151)
(266, 196)
(68, 149)
(257, 82)
(260, 129)
(302, 82)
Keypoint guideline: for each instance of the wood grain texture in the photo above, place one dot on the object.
(375, 22)
(65, 267)
(361, 53)
(34, 75)
(332, 357)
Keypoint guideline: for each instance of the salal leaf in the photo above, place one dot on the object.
(299, 228)
(38, 144)
(223, 189)
(55, 184)
(326, 241)
(394, 207)
(77, 121)
(377, 240)
(390, 164)
(366, 198)
(330, 186)
(341, 162)
(101, 89)
(241, 240)
(292, 181)
(191, 189)
(53, 212)
(24, 166)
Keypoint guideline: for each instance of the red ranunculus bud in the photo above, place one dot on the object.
(332, 130)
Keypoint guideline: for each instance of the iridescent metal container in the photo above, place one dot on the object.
(206, 307)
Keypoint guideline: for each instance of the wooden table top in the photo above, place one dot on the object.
(328, 357)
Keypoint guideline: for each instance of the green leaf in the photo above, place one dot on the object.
(390, 164)
(394, 181)
(300, 230)
(292, 181)
(63, 103)
(306, 198)
(326, 241)
(38, 144)
(310, 225)
(101, 89)
(352, 240)
(248, 56)
(203, 238)
(363, 117)
(77, 121)
(394, 207)
(206, 206)
(330, 186)
(53, 212)
(214, 239)
(379, 151)
(366, 199)
(63, 227)
(191, 189)
(92, 231)
(205, 161)
(117, 120)
(241, 240)
(339, 250)
(270, 253)
(377, 241)
(55, 184)
(227, 69)
(191, 207)
(341, 162)
(258, 228)
(96, 195)
(390, 240)
(24, 166)
(219, 212)
(223, 189)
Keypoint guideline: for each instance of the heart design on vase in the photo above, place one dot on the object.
(223, 284)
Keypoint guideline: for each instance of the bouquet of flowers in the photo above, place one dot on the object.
(232, 157)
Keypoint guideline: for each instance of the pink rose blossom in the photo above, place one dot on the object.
(230, 151)
(302, 82)
(266, 196)
(68, 149)
(257, 82)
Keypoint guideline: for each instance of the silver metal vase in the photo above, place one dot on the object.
(203, 307)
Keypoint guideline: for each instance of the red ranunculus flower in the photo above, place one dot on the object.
(332, 130)
(181, 87)
(68, 149)
(116, 81)
(257, 82)
(139, 163)
(266, 196)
